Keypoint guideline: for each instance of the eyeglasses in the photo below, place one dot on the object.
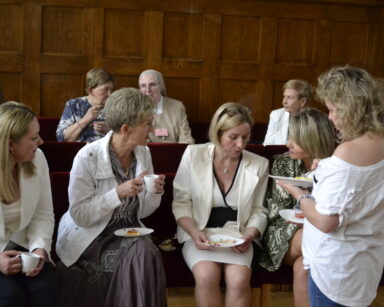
(232, 111)
(150, 86)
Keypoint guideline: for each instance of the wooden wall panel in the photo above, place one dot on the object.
(295, 39)
(11, 86)
(349, 43)
(240, 39)
(62, 31)
(11, 28)
(57, 89)
(209, 51)
(182, 37)
(186, 90)
(124, 34)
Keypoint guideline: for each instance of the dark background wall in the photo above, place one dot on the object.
(210, 51)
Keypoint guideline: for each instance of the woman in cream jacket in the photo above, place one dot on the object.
(26, 213)
(219, 188)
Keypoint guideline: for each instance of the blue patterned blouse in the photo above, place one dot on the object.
(75, 110)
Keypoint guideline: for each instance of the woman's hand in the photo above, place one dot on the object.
(9, 263)
(43, 258)
(295, 191)
(130, 188)
(201, 240)
(100, 127)
(249, 234)
(159, 184)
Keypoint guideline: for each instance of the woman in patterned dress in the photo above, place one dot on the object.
(83, 118)
(97, 267)
(311, 136)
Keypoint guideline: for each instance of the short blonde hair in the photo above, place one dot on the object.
(97, 76)
(304, 89)
(357, 98)
(159, 78)
(15, 119)
(127, 106)
(313, 132)
(226, 117)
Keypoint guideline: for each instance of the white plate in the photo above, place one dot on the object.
(289, 215)
(224, 241)
(297, 182)
(142, 232)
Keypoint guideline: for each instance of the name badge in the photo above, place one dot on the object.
(161, 132)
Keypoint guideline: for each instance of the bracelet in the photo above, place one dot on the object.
(79, 125)
(309, 196)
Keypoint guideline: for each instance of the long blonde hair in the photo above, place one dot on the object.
(14, 122)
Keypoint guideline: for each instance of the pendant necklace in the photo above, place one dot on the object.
(226, 170)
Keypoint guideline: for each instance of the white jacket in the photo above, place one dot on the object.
(193, 189)
(37, 219)
(93, 198)
(277, 133)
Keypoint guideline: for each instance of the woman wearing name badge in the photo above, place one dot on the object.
(26, 213)
(311, 136)
(343, 236)
(83, 118)
(170, 122)
(106, 258)
(219, 190)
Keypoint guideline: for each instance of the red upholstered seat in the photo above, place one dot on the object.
(60, 155)
(166, 156)
(48, 126)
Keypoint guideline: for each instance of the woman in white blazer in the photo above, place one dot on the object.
(106, 194)
(219, 188)
(26, 213)
(297, 94)
(170, 122)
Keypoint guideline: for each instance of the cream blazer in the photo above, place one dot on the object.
(37, 219)
(193, 189)
(173, 118)
(277, 133)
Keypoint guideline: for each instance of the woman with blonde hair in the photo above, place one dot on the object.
(26, 214)
(311, 136)
(343, 236)
(219, 189)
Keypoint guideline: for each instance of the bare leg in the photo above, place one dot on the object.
(207, 290)
(294, 258)
(237, 281)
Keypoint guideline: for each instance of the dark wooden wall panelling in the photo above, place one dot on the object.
(210, 51)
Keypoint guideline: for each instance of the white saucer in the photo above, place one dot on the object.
(297, 182)
(219, 240)
(142, 232)
(289, 215)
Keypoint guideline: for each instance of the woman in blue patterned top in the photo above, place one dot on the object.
(83, 118)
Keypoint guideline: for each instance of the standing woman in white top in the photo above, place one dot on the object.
(297, 95)
(343, 237)
(26, 214)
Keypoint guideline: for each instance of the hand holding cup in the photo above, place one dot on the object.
(154, 183)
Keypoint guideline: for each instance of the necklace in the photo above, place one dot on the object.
(226, 170)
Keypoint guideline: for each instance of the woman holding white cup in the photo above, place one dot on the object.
(26, 213)
(106, 194)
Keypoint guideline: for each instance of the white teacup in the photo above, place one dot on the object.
(29, 261)
(149, 182)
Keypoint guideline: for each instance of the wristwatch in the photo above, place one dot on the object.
(309, 196)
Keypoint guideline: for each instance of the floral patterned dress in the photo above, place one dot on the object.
(276, 238)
